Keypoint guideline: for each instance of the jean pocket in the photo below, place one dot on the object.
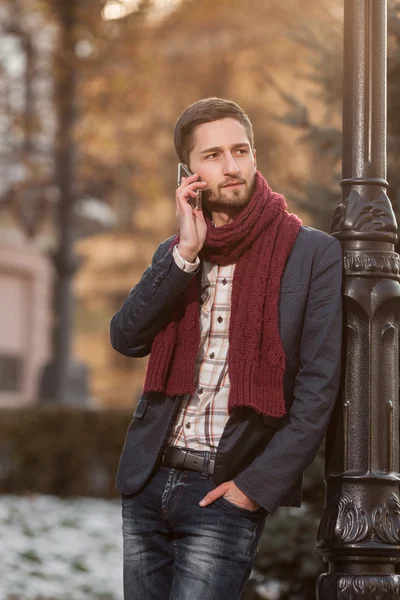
(244, 511)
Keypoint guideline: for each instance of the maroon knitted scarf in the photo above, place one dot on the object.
(258, 241)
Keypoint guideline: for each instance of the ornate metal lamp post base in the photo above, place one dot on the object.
(353, 587)
(359, 533)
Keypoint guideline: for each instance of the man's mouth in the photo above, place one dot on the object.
(237, 183)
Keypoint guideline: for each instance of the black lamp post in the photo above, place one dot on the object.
(359, 533)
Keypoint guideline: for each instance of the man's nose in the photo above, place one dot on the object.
(230, 166)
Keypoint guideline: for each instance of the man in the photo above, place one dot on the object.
(241, 313)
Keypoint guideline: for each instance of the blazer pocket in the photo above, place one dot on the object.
(140, 408)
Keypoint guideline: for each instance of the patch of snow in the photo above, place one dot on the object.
(60, 549)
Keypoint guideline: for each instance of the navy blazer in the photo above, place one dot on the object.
(265, 457)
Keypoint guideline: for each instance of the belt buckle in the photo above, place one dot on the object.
(194, 461)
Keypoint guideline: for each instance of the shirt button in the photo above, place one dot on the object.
(224, 281)
(200, 390)
(212, 355)
(188, 425)
(220, 319)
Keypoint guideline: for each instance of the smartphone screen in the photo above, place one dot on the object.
(183, 171)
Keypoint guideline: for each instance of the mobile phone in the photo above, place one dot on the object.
(183, 171)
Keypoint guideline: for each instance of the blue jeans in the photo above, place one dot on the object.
(176, 550)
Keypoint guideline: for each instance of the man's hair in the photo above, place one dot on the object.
(206, 111)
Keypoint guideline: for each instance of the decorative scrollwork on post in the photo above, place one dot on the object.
(386, 521)
(368, 587)
(371, 263)
(347, 523)
(353, 524)
(356, 213)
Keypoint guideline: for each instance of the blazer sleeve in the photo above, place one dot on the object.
(292, 449)
(147, 307)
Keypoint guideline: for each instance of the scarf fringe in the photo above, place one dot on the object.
(261, 392)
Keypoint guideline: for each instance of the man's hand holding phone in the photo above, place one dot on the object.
(191, 223)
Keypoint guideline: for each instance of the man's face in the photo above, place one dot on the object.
(223, 157)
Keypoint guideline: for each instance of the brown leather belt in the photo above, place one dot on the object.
(184, 458)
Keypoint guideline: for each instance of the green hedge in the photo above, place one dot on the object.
(59, 450)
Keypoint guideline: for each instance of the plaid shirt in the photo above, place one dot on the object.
(203, 414)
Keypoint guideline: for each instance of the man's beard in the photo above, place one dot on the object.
(235, 197)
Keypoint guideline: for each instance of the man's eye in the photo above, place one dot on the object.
(241, 151)
(213, 155)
